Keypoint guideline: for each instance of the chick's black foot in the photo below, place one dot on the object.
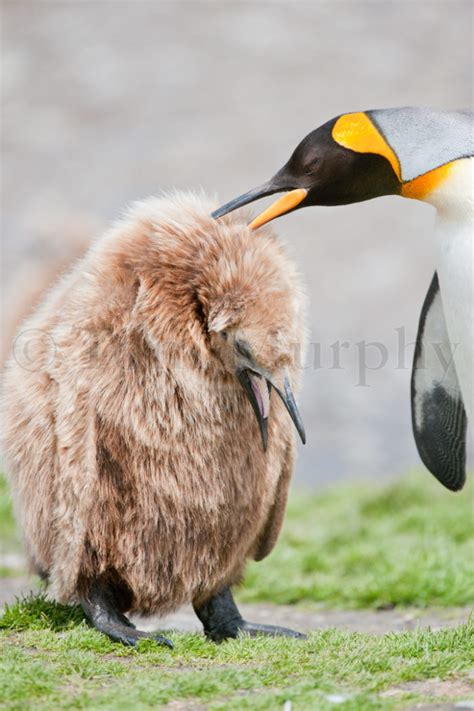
(222, 620)
(101, 610)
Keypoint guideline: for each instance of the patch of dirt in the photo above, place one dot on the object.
(447, 688)
(451, 688)
(460, 693)
(307, 619)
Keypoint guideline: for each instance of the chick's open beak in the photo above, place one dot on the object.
(258, 388)
(287, 202)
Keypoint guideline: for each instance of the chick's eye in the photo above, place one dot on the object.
(224, 335)
(243, 348)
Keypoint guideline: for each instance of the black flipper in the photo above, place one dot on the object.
(438, 415)
(222, 620)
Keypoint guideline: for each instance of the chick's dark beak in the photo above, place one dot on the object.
(258, 392)
(288, 400)
(258, 388)
(287, 202)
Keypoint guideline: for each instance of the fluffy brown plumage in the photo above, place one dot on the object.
(132, 449)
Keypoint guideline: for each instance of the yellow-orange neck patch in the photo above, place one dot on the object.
(419, 188)
(357, 132)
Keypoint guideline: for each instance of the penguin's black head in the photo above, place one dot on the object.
(344, 161)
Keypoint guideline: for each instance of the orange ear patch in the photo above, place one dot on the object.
(423, 185)
(358, 133)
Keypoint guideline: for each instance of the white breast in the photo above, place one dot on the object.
(454, 233)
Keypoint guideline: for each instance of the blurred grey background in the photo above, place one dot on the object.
(109, 101)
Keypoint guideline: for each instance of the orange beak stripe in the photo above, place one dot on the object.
(287, 202)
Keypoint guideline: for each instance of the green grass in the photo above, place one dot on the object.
(358, 546)
(52, 660)
(407, 543)
(8, 535)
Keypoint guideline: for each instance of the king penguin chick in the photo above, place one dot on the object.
(423, 154)
(147, 444)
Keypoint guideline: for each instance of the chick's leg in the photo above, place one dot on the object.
(100, 608)
(222, 620)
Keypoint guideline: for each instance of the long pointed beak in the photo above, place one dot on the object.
(287, 397)
(258, 392)
(252, 195)
(287, 202)
(257, 388)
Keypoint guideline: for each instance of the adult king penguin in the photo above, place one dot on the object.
(422, 154)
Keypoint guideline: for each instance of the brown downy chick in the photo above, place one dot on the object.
(149, 443)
